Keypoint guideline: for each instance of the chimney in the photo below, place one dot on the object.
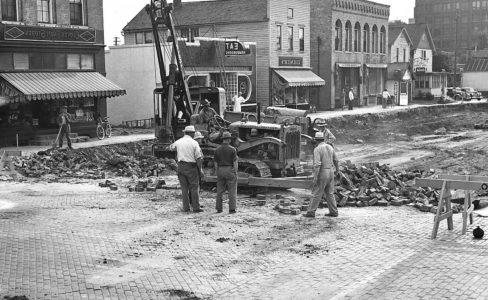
(177, 3)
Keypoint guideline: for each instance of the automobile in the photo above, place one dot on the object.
(456, 93)
(471, 93)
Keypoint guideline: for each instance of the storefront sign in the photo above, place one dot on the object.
(420, 70)
(285, 61)
(235, 48)
(38, 33)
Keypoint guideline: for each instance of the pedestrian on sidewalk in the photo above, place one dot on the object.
(385, 96)
(351, 98)
(324, 161)
(226, 165)
(64, 121)
(238, 100)
(189, 157)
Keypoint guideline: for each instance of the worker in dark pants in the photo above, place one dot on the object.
(64, 121)
(189, 156)
(324, 161)
(226, 165)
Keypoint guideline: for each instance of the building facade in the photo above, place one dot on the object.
(399, 83)
(455, 24)
(51, 55)
(280, 30)
(349, 50)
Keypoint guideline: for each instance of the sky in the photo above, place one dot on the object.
(117, 13)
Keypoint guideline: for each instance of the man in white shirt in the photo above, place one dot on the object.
(351, 98)
(385, 96)
(238, 100)
(189, 156)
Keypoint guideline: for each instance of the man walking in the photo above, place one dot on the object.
(226, 165)
(189, 156)
(351, 98)
(324, 161)
(64, 121)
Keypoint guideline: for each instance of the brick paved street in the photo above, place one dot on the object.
(78, 241)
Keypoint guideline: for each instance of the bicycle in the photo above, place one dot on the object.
(104, 129)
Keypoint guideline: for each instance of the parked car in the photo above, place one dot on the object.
(456, 93)
(471, 93)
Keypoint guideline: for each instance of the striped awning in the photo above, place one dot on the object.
(60, 85)
(300, 78)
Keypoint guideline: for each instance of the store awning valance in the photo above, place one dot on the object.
(61, 85)
(295, 78)
(349, 65)
(377, 66)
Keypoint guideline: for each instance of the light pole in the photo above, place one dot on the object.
(455, 50)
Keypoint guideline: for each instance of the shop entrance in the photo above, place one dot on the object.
(348, 78)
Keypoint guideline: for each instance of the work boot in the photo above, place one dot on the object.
(219, 211)
(309, 214)
(198, 210)
(331, 215)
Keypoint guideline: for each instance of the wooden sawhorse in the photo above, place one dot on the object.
(453, 182)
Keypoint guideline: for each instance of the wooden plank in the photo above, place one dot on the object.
(287, 182)
(453, 184)
(446, 215)
(464, 178)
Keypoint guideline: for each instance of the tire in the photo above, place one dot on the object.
(100, 132)
(108, 130)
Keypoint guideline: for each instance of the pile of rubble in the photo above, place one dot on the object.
(93, 163)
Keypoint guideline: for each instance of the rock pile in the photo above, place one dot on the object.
(93, 163)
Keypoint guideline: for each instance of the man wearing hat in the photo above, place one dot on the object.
(328, 136)
(324, 161)
(207, 113)
(64, 121)
(226, 164)
(198, 137)
(189, 157)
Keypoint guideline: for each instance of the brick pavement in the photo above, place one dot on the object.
(64, 241)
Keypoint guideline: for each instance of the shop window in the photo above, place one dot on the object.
(366, 39)
(375, 39)
(21, 61)
(87, 62)
(140, 38)
(197, 81)
(60, 61)
(76, 12)
(303, 95)
(6, 61)
(148, 37)
(338, 36)
(244, 86)
(290, 38)
(44, 11)
(383, 40)
(348, 43)
(278, 37)
(9, 10)
(301, 39)
(357, 37)
(195, 32)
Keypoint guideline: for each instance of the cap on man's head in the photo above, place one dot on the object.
(319, 135)
(189, 129)
(198, 135)
(206, 102)
(226, 135)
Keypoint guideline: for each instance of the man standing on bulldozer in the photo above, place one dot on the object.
(324, 161)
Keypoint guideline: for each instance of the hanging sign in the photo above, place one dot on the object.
(236, 48)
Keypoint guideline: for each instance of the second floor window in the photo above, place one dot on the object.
(290, 38)
(189, 33)
(9, 10)
(44, 11)
(278, 37)
(76, 12)
(404, 55)
(397, 55)
(301, 39)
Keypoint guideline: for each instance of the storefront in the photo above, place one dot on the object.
(30, 103)
(399, 83)
(347, 77)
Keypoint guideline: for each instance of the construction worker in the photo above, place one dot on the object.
(190, 173)
(198, 137)
(328, 136)
(64, 121)
(324, 161)
(238, 100)
(226, 165)
(207, 113)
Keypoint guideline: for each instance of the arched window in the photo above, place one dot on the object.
(383, 40)
(375, 39)
(366, 39)
(338, 36)
(357, 37)
(348, 36)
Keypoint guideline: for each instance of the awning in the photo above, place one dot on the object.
(349, 65)
(377, 66)
(399, 71)
(300, 78)
(61, 85)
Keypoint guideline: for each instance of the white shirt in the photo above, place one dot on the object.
(351, 95)
(386, 94)
(187, 149)
(238, 100)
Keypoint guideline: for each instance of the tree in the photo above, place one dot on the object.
(441, 62)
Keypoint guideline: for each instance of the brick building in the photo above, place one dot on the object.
(280, 29)
(51, 54)
(348, 45)
(455, 20)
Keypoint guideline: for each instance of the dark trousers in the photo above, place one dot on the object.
(351, 102)
(190, 185)
(226, 180)
(64, 132)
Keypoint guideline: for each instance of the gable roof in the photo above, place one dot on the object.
(394, 31)
(477, 64)
(208, 12)
(416, 31)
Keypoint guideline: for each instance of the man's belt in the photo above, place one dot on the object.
(187, 163)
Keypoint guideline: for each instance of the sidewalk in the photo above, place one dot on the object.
(122, 139)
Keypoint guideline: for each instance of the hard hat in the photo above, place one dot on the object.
(319, 135)
(198, 135)
(190, 128)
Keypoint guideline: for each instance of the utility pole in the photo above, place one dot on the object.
(116, 41)
(455, 81)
